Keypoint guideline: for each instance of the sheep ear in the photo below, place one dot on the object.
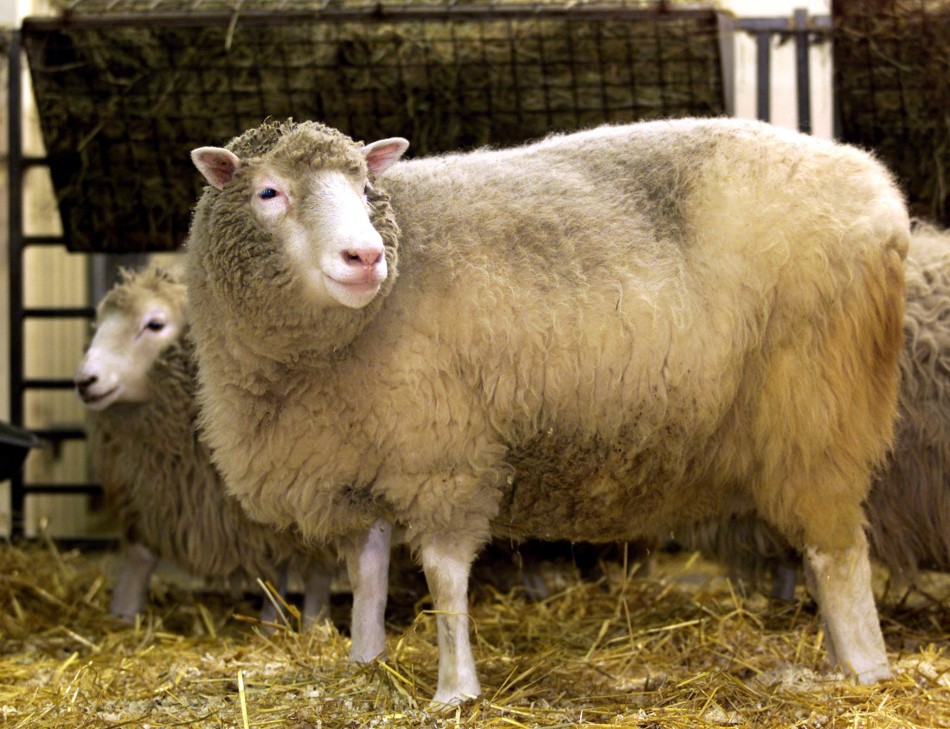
(381, 155)
(216, 165)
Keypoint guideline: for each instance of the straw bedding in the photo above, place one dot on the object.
(680, 648)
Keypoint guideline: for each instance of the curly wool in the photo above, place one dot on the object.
(909, 507)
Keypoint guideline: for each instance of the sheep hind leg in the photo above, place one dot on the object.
(367, 565)
(270, 614)
(785, 577)
(131, 586)
(447, 563)
(840, 581)
(316, 596)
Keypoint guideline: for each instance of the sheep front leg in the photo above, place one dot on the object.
(841, 584)
(131, 586)
(447, 562)
(367, 564)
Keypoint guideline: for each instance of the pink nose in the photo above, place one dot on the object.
(363, 257)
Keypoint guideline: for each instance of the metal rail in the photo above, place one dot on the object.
(367, 14)
(804, 30)
(19, 313)
(15, 174)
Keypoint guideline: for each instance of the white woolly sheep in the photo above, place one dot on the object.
(908, 507)
(138, 380)
(593, 337)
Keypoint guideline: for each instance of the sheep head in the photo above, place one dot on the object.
(141, 316)
(293, 207)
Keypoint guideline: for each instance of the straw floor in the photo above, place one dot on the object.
(677, 648)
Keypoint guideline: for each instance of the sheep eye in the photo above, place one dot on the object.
(268, 193)
(155, 325)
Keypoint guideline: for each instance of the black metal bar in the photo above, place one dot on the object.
(81, 542)
(815, 24)
(15, 242)
(86, 543)
(79, 489)
(763, 71)
(47, 383)
(803, 84)
(366, 14)
(42, 240)
(64, 312)
(59, 434)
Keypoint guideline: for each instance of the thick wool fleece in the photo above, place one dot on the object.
(596, 336)
(159, 478)
(908, 508)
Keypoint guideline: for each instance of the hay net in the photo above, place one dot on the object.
(126, 88)
(892, 78)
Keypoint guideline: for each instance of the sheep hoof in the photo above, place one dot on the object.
(362, 658)
(448, 700)
(873, 675)
(125, 617)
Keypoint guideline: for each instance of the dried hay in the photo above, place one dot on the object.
(892, 79)
(124, 97)
(679, 649)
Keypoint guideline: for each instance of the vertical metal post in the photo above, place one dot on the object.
(763, 72)
(803, 84)
(15, 241)
(727, 33)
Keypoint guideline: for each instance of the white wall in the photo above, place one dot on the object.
(784, 109)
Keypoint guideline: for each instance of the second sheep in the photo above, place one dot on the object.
(138, 380)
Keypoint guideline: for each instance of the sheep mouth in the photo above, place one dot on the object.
(97, 399)
(356, 292)
(359, 285)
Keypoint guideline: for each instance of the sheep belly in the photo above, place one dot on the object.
(582, 491)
